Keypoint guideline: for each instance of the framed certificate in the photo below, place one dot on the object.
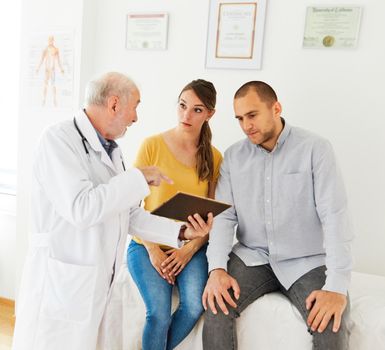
(147, 31)
(332, 27)
(235, 34)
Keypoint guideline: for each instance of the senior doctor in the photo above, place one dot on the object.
(84, 202)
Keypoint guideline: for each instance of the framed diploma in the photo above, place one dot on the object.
(332, 27)
(235, 34)
(147, 31)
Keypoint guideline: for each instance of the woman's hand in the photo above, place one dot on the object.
(177, 260)
(157, 257)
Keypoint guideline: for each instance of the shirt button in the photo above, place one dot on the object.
(268, 178)
(268, 200)
(268, 222)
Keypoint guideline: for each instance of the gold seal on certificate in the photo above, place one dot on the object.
(328, 41)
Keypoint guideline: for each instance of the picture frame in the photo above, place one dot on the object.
(332, 27)
(235, 34)
(147, 31)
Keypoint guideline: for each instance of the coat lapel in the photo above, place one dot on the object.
(90, 134)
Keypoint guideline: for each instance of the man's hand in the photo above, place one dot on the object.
(324, 305)
(154, 176)
(157, 256)
(197, 227)
(217, 289)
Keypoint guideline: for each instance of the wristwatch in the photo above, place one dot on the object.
(181, 235)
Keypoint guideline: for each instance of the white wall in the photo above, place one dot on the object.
(9, 23)
(37, 16)
(8, 245)
(335, 93)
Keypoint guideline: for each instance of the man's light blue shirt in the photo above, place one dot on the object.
(289, 209)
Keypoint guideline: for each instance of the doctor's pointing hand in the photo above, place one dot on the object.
(154, 176)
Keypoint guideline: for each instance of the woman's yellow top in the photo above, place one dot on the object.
(154, 151)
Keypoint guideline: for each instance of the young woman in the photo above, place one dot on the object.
(184, 154)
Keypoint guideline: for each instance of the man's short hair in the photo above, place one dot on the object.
(109, 84)
(263, 90)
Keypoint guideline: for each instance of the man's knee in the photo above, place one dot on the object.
(220, 317)
(329, 340)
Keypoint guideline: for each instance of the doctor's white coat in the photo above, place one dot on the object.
(83, 207)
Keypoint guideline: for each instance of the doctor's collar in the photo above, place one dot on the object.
(108, 145)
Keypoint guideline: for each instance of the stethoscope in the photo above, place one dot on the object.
(84, 140)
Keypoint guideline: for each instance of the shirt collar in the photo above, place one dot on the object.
(281, 138)
(89, 132)
(108, 145)
(284, 133)
(102, 140)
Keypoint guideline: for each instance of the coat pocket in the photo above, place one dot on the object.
(69, 291)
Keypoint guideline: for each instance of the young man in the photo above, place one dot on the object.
(84, 202)
(293, 232)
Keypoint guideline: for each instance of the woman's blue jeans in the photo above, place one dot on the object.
(162, 330)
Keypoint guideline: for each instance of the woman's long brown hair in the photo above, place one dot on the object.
(206, 92)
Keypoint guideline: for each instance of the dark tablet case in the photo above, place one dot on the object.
(181, 205)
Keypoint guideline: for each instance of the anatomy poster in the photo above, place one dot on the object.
(50, 70)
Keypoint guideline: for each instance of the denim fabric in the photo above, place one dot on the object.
(219, 331)
(163, 330)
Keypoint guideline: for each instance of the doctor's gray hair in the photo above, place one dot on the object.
(109, 84)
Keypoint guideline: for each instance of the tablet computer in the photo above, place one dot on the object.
(181, 205)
